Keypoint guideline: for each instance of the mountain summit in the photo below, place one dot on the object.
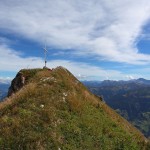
(51, 109)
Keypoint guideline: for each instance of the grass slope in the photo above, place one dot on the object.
(55, 111)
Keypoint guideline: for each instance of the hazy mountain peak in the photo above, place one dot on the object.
(5, 81)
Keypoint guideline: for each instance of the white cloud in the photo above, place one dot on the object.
(130, 77)
(12, 61)
(81, 77)
(6, 80)
(104, 28)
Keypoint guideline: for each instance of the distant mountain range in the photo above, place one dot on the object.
(140, 81)
(3, 89)
(129, 98)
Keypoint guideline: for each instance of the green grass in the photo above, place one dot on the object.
(54, 110)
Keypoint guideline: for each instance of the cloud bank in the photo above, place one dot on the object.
(107, 29)
(12, 61)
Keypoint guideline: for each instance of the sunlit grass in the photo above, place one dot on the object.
(54, 110)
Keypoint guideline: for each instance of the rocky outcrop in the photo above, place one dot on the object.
(16, 84)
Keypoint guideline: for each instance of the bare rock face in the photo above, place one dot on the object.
(16, 84)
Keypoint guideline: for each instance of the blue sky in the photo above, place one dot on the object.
(94, 39)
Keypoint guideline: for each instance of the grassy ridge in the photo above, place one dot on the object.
(54, 110)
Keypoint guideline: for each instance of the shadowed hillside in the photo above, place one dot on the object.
(53, 110)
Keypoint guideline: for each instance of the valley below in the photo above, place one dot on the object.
(131, 99)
